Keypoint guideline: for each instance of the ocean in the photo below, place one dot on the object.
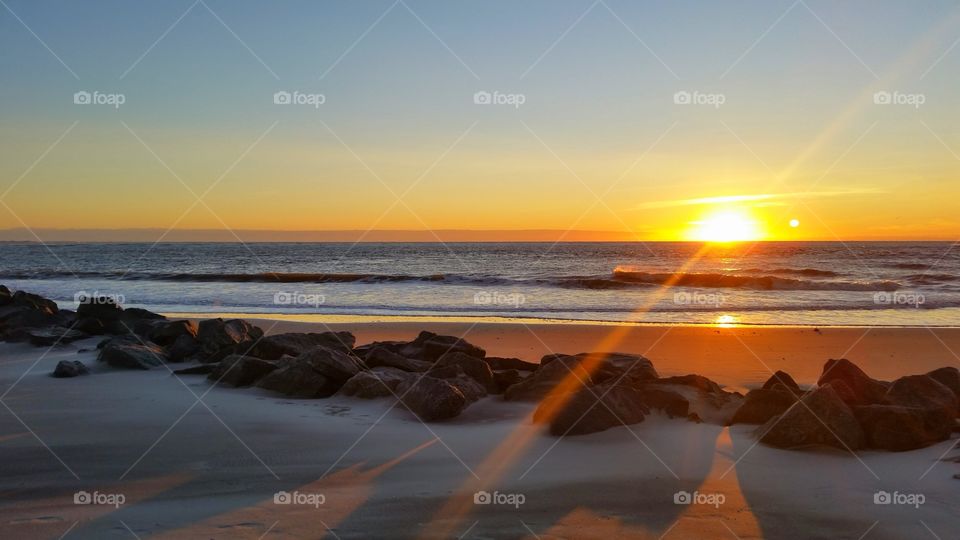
(770, 283)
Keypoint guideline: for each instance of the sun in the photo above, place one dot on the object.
(728, 225)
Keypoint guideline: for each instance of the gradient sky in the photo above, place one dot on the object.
(599, 143)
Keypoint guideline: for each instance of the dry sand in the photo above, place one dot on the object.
(210, 468)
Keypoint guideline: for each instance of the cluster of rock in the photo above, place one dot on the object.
(436, 377)
(848, 409)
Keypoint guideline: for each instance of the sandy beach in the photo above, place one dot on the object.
(193, 460)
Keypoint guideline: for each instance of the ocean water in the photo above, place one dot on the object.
(818, 283)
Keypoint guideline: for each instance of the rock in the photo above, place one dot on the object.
(474, 367)
(455, 376)
(544, 380)
(103, 308)
(858, 388)
(762, 404)
(821, 419)
(497, 363)
(34, 302)
(298, 379)
(294, 344)
(668, 401)
(506, 378)
(202, 369)
(612, 366)
(219, 338)
(163, 332)
(922, 392)
(784, 378)
(581, 412)
(5, 296)
(431, 399)
(429, 346)
(334, 365)
(94, 327)
(70, 368)
(46, 336)
(378, 382)
(381, 356)
(698, 382)
(132, 315)
(130, 354)
(238, 370)
(183, 348)
(947, 376)
(899, 428)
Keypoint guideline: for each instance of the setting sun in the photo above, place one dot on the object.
(729, 225)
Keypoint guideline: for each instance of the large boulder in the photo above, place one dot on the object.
(497, 363)
(949, 377)
(762, 404)
(375, 383)
(298, 379)
(219, 338)
(333, 364)
(506, 378)
(6, 296)
(541, 382)
(276, 346)
(431, 399)
(698, 382)
(131, 354)
(899, 428)
(783, 378)
(183, 348)
(239, 370)
(922, 392)
(164, 332)
(382, 356)
(857, 388)
(474, 367)
(627, 368)
(670, 402)
(34, 302)
(429, 346)
(821, 419)
(69, 368)
(456, 377)
(591, 410)
(103, 308)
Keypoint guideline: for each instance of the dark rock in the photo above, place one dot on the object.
(381, 356)
(102, 308)
(474, 367)
(581, 412)
(668, 401)
(821, 419)
(70, 368)
(698, 382)
(131, 315)
(784, 378)
(298, 379)
(497, 363)
(899, 428)
(947, 376)
(455, 376)
(762, 404)
(94, 327)
(237, 370)
(431, 399)
(858, 388)
(566, 370)
(294, 344)
(378, 382)
(163, 332)
(183, 348)
(923, 392)
(429, 346)
(202, 369)
(335, 365)
(219, 338)
(506, 378)
(5, 296)
(34, 302)
(130, 354)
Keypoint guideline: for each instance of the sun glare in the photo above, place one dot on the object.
(727, 226)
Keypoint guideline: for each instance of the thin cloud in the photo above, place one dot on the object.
(768, 199)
